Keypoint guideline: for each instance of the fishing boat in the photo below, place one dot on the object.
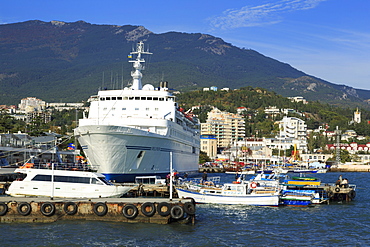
(64, 183)
(252, 192)
(133, 131)
(297, 198)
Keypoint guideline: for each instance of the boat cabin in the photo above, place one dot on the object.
(150, 180)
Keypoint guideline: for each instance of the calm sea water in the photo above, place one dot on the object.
(345, 224)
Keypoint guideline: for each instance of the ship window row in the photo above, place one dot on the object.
(136, 109)
(137, 98)
(66, 179)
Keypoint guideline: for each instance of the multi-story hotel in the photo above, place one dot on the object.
(227, 127)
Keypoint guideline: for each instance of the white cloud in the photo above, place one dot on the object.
(265, 14)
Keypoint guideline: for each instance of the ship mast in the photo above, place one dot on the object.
(137, 75)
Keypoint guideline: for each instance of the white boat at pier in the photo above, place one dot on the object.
(64, 183)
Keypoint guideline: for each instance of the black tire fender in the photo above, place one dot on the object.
(144, 207)
(67, 206)
(164, 205)
(337, 189)
(130, 211)
(47, 209)
(3, 208)
(177, 212)
(352, 194)
(340, 197)
(330, 194)
(189, 208)
(192, 199)
(24, 208)
(97, 210)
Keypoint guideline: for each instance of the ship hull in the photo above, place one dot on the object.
(122, 153)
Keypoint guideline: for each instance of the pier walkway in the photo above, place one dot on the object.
(144, 210)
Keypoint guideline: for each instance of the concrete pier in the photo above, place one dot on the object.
(350, 168)
(211, 169)
(144, 210)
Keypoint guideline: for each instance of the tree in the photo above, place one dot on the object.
(203, 157)
(344, 156)
(10, 124)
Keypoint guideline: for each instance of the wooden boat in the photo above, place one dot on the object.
(302, 181)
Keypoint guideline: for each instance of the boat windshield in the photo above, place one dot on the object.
(101, 180)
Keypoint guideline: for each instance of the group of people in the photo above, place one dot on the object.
(205, 181)
(342, 182)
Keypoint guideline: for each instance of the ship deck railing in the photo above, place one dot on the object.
(59, 166)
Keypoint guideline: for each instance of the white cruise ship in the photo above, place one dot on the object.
(136, 130)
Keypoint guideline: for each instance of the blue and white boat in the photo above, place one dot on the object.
(132, 131)
(297, 198)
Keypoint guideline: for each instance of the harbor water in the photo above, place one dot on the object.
(345, 224)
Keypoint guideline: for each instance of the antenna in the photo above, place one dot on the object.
(338, 132)
(102, 83)
(122, 86)
(137, 64)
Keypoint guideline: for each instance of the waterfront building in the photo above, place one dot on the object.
(352, 148)
(286, 143)
(315, 157)
(17, 148)
(249, 150)
(208, 144)
(227, 127)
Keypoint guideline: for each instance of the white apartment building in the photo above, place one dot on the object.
(292, 127)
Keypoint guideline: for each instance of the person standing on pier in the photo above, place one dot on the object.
(204, 177)
(339, 181)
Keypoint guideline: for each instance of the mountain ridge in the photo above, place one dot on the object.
(61, 61)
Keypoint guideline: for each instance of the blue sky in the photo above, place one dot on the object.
(329, 39)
